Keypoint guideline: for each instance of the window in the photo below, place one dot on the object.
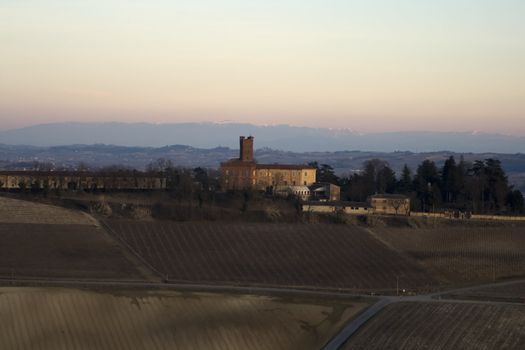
(305, 173)
(305, 183)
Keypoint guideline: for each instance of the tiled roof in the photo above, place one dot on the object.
(389, 196)
(284, 166)
(36, 173)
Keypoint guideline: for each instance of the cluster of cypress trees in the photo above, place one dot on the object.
(478, 187)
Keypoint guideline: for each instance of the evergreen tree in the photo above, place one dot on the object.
(449, 180)
(386, 180)
(515, 202)
(426, 183)
(498, 185)
(326, 174)
(378, 177)
(405, 184)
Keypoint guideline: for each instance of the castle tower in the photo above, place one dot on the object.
(246, 149)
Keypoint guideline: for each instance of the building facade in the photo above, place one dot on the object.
(390, 204)
(78, 180)
(244, 172)
(326, 192)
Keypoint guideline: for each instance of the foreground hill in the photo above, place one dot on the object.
(36, 318)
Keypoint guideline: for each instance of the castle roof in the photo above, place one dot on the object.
(284, 166)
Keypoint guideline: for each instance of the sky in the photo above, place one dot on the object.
(371, 66)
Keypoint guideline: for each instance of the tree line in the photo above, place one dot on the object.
(478, 187)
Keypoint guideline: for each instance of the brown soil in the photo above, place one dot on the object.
(506, 293)
(436, 326)
(462, 254)
(300, 255)
(25, 212)
(55, 319)
(72, 251)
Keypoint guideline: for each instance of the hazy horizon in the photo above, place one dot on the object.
(374, 66)
(226, 122)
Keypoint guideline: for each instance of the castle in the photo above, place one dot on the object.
(244, 172)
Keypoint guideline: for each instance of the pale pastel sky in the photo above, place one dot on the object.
(369, 65)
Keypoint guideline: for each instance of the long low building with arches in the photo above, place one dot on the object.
(80, 180)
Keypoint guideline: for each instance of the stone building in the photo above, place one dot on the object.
(302, 192)
(393, 204)
(326, 192)
(245, 172)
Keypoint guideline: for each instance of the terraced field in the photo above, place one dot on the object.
(436, 326)
(66, 319)
(65, 251)
(463, 254)
(318, 256)
(25, 212)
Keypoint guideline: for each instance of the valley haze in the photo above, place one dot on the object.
(281, 137)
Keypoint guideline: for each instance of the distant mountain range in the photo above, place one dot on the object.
(282, 137)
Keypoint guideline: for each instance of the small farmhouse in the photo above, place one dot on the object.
(379, 204)
(390, 204)
(325, 192)
(353, 208)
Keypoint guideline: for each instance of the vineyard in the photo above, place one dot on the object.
(443, 326)
(65, 319)
(77, 251)
(463, 254)
(318, 256)
(25, 212)
(510, 293)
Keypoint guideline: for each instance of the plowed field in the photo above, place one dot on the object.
(510, 293)
(25, 212)
(55, 319)
(65, 251)
(463, 254)
(320, 256)
(437, 326)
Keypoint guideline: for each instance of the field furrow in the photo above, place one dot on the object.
(436, 326)
(317, 256)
